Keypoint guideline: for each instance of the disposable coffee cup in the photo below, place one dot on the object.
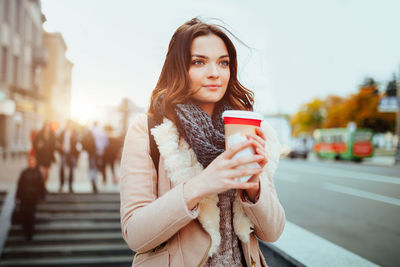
(238, 124)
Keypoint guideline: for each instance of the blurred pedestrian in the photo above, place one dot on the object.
(44, 147)
(30, 191)
(67, 146)
(112, 152)
(188, 208)
(89, 145)
(32, 136)
(101, 141)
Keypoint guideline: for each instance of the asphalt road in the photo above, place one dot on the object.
(354, 206)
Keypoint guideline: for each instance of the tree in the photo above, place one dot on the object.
(391, 87)
(362, 108)
(369, 82)
(334, 106)
(309, 118)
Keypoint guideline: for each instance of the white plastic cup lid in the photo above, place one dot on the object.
(242, 114)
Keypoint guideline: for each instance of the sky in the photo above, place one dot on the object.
(293, 50)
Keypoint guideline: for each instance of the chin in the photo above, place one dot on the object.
(215, 97)
(213, 100)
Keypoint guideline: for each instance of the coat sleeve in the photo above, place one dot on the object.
(147, 221)
(267, 213)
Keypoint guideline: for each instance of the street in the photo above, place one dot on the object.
(354, 206)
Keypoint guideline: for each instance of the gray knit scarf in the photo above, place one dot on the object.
(204, 134)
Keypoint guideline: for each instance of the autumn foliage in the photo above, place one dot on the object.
(335, 111)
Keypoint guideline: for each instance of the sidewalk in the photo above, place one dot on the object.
(380, 160)
(11, 168)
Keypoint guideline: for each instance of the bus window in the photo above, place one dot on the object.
(362, 136)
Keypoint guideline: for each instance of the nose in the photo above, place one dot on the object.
(213, 71)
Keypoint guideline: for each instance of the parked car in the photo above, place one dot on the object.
(300, 147)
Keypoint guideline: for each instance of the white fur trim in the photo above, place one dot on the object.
(241, 223)
(181, 165)
(209, 219)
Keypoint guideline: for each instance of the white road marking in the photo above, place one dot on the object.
(361, 193)
(288, 178)
(348, 174)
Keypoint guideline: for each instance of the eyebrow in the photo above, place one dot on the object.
(201, 56)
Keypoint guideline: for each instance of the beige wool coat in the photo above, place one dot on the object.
(162, 231)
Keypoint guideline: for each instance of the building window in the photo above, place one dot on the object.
(4, 55)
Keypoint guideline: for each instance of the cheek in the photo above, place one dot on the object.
(226, 76)
(195, 76)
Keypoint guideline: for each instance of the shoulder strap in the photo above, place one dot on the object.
(154, 152)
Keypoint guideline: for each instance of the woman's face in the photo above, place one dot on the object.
(209, 71)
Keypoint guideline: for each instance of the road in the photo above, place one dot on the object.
(354, 206)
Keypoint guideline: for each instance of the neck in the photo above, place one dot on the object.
(207, 108)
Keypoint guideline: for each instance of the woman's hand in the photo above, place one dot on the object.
(258, 142)
(259, 145)
(220, 175)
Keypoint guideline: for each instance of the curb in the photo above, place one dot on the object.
(312, 250)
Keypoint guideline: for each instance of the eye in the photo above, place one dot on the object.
(197, 62)
(224, 63)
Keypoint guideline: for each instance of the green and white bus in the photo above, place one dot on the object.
(341, 143)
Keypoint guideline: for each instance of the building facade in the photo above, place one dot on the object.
(56, 79)
(22, 58)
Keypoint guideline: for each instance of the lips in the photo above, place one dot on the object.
(212, 86)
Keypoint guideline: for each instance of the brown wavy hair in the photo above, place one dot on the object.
(173, 84)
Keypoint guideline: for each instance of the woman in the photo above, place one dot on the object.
(189, 210)
(44, 147)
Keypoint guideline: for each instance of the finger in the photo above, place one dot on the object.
(241, 185)
(261, 152)
(243, 160)
(257, 139)
(236, 173)
(260, 133)
(235, 149)
(262, 162)
(255, 143)
(254, 179)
